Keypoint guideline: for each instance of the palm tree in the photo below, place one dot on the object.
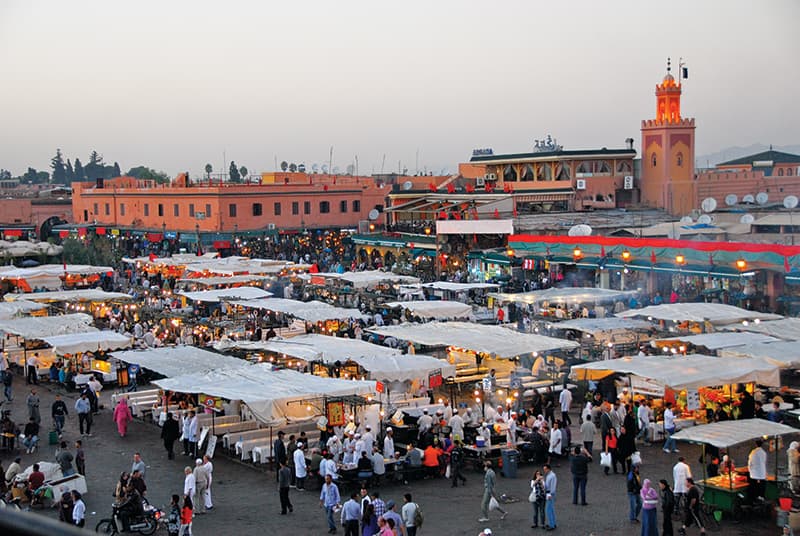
(209, 169)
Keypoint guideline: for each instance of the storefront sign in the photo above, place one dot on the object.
(692, 399)
(336, 415)
(210, 401)
(379, 387)
(435, 378)
(487, 385)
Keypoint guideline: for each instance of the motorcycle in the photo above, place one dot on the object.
(145, 524)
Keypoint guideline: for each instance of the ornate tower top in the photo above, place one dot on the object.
(668, 98)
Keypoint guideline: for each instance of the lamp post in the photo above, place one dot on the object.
(197, 233)
(626, 258)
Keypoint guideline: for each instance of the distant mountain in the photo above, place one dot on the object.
(711, 160)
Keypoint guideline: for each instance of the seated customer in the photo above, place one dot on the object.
(364, 466)
(31, 440)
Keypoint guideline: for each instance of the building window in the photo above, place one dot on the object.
(147, 209)
(324, 207)
(295, 208)
(258, 209)
(789, 172)
(208, 210)
(653, 160)
(306, 207)
(160, 210)
(122, 209)
(356, 205)
(343, 206)
(96, 210)
(232, 210)
(176, 210)
(277, 207)
(191, 210)
(780, 172)
(108, 209)
(679, 159)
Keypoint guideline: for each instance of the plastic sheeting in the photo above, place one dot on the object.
(495, 340)
(787, 329)
(603, 325)
(726, 434)
(366, 279)
(785, 354)
(683, 372)
(459, 287)
(92, 341)
(12, 272)
(716, 313)
(273, 396)
(215, 296)
(9, 310)
(79, 295)
(225, 280)
(725, 339)
(174, 361)
(567, 295)
(313, 311)
(436, 309)
(47, 326)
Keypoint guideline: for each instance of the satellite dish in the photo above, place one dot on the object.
(762, 198)
(790, 202)
(325, 169)
(731, 199)
(314, 168)
(408, 185)
(749, 198)
(580, 230)
(747, 218)
(704, 219)
(373, 214)
(687, 219)
(709, 204)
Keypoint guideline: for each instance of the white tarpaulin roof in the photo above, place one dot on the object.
(313, 311)
(11, 309)
(603, 325)
(495, 340)
(266, 392)
(92, 341)
(366, 279)
(716, 313)
(785, 354)
(787, 329)
(23, 248)
(79, 295)
(436, 309)
(723, 339)
(382, 363)
(459, 287)
(171, 361)
(224, 280)
(683, 372)
(726, 434)
(566, 295)
(38, 327)
(12, 272)
(239, 293)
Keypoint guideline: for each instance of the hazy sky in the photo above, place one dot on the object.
(173, 84)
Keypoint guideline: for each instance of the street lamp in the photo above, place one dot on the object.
(680, 260)
(626, 255)
(741, 265)
(577, 254)
(427, 230)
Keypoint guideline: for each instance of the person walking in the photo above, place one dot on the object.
(456, 462)
(138, 465)
(78, 509)
(667, 507)
(80, 458)
(550, 487)
(610, 446)
(634, 483)
(537, 489)
(200, 486)
(122, 416)
(649, 497)
(8, 380)
(284, 480)
(579, 467)
(189, 486)
(64, 459)
(409, 515)
(187, 512)
(329, 499)
(170, 432)
(489, 481)
(300, 468)
(174, 516)
(351, 514)
(84, 410)
(31, 369)
(692, 508)
(59, 413)
(588, 430)
(192, 435)
(669, 429)
(680, 472)
(390, 514)
(209, 467)
(33, 406)
(565, 401)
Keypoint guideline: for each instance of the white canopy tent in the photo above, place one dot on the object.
(683, 372)
(566, 295)
(12, 272)
(382, 363)
(603, 325)
(459, 287)
(273, 396)
(726, 434)
(91, 341)
(785, 354)
(10, 310)
(716, 313)
(494, 340)
(722, 339)
(225, 280)
(313, 311)
(70, 296)
(47, 326)
(238, 293)
(366, 279)
(787, 329)
(436, 309)
(171, 361)
(24, 248)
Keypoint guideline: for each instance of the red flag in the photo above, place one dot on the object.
(506, 187)
(325, 187)
(451, 189)
(470, 189)
(431, 187)
(496, 214)
(152, 257)
(602, 251)
(488, 187)
(786, 267)
(457, 215)
(475, 238)
(711, 259)
(442, 215)
(652, 257)
(515, 212)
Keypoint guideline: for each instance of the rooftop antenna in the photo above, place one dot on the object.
(383, 162)
(330, 159)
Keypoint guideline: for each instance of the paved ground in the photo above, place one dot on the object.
(246, 499)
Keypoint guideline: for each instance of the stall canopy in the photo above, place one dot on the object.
(494, 340)
(783, 353)
(382, 363)
(437, 309)
(787, 329)
(603, 325)
(273, 396)
(724, 339)
(92, 341)
(716, 313)
(683, 372)
(313, 311)
(178, 360)
(70, 296)
(366, 279)
(459, 287)
(725, 434)
(223, 280)
(215, 296)
(9, 310)
(47, 326)
(567, 295)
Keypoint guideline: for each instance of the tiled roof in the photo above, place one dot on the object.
(777, 157)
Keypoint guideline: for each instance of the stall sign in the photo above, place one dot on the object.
(487, 385)
(336, 415)
(692, 399)
(213, 402)
(646, 387)
(435, 378)
(379, 387)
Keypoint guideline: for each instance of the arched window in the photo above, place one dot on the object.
(780, 172)
(653, 160)
(624, 167)
(789, 171)
(680, 159)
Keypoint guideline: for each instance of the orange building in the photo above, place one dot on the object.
(20, 216)
(281, 201)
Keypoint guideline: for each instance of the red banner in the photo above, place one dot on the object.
(13, 232)
(379, 387)
(222, 244)
(100, 231)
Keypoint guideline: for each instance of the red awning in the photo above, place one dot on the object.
(12, 232)
(222, 244)
(154, 237)
(100, 230)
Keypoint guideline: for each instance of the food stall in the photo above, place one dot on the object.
(434, 310)
(725, 492)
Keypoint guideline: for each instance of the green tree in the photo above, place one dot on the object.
(95, 250)
(284, 165)
(95, 158)
(80, 175)
(95, 168)
(243, 172)
(59, 170)
(209, 169)
(70, 173)
(233, 172)
(144, 172)
(117, 171)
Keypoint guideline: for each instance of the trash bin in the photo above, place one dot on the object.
(53, 437)
(510, 463)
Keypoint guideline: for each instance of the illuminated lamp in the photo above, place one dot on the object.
(680, 260)
(741, 265)
(626, 255)
(577, 254)
(510, 252)
(427, 230)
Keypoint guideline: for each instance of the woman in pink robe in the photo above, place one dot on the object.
(122, 416)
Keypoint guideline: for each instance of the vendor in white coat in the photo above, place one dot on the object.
(388, 443)
(680, 472)
(456, 425)
(300, 473)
